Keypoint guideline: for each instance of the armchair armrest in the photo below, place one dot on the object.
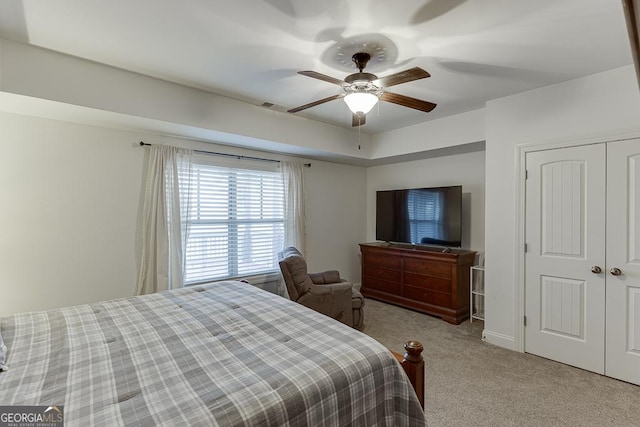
(329, 276)
(333, 300)
(343, 287)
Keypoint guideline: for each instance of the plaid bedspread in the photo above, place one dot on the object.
(221, 354)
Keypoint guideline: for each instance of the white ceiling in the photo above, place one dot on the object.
(475, 50)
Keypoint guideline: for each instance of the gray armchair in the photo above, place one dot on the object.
(323, 292)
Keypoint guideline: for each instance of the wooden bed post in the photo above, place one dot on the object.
(413, 364)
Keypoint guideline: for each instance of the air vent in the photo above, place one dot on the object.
(273, 107)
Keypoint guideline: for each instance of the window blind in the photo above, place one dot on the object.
(235, 220)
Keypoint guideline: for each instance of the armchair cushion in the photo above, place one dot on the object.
(330, 276)
(294, 271)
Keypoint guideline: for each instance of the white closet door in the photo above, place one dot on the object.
(565, 235)
(623, 253)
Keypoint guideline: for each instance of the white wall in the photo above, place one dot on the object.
(466, 169)
(71, 199)
(596, 106)
(449, 131)
(68, 217)
(336, 201)
(40, 73)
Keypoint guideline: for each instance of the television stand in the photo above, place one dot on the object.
(423, 278)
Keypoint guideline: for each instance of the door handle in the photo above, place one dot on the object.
(596, 269)
(615, 271)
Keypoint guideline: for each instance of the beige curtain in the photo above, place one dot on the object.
(294, 212)
(164, 228)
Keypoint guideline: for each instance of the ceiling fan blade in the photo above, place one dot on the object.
(322, 77)
(415, 73)
(358, 120)
(314, 103)
(407, 101)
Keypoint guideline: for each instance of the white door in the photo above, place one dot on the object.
(565, 235)
(623, 253)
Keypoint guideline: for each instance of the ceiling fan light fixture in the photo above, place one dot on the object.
(360, 102)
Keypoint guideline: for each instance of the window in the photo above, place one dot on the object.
(426, 214)
(235, 220)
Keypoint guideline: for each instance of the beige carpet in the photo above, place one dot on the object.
(472, 383)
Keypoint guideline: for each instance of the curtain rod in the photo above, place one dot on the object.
(235, 156)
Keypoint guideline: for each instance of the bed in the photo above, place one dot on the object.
(220, 354)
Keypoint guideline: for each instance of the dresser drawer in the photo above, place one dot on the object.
(394, 288)
(430, 297)
(381, 273)
(429, 268)
(428, 282)
(383, 260)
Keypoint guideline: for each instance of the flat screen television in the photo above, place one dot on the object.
(427, 216)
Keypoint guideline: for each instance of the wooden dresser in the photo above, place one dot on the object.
(417, 277)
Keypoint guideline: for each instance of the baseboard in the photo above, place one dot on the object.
(499, 339)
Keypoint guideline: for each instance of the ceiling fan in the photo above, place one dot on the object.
(363, 90)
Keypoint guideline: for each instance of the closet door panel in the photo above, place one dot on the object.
(565, 225)
(623, 253)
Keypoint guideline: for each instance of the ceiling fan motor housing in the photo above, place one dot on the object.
(360, 77)
(361, 82)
